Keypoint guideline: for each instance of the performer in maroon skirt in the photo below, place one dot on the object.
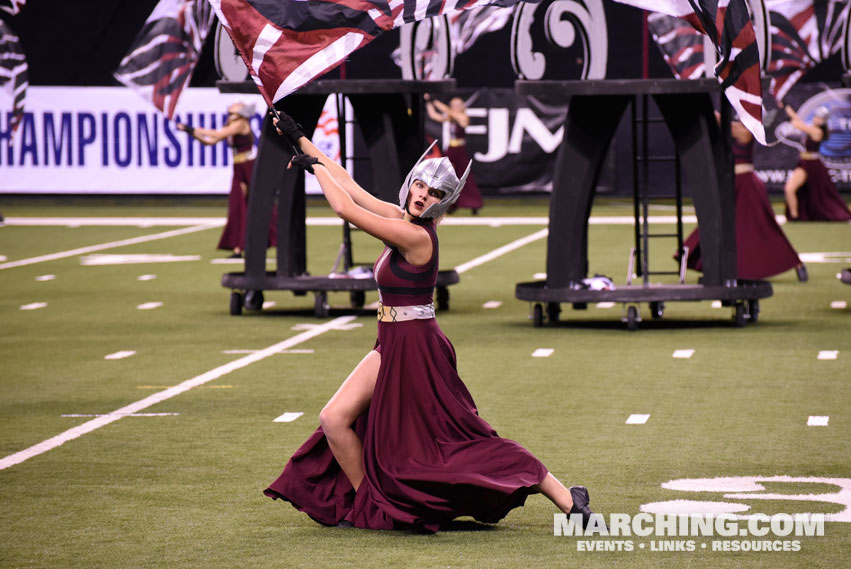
(401, 445)
(810, 193)
(762, 249)
(456, 114)
(237, 131)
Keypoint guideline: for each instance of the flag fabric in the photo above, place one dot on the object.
(728, 25)
(681, 45)
(464, 29)
(467, 26)
(13, 72)
(803, 33)
(288, 43)
(12, 6)
(163, 56)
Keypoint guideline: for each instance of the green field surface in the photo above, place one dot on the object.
(179, 483)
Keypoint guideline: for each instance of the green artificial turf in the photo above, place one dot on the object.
(185, 490)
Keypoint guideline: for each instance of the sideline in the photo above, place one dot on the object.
(89, 426)
(102, 246)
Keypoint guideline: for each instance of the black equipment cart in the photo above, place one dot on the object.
(595, 110)
(391, 118)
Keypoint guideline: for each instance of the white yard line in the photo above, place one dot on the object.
(498, 252)
(161, 396)
(102, 246)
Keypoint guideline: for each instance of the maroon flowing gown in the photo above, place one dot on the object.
(427, 455)
(762, 249)
(471, 196)
(233, 234)
(818, 198)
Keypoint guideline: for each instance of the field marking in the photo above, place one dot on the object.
(828, 354)
(839, 304)
(133, 408)
(120, 355)
(750, 488)
(492, 304)
(134, 259)
(637, 419)
(149, 305)
(828, 257)
(133, 415)
(500, 251)
(168, 386)
(255, 351)
(287, 417)
(542, 353)
(684, 354)
(32, 306)
(45, 278)
(605, 305)
(817, 420)
(102, 246)
(146, 277)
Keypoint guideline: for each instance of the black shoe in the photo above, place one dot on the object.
(345, 524)
(802, 273)
(580, 504)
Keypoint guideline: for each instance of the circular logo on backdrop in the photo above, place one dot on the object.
(836, 150)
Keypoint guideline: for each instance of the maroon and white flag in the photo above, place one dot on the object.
(163, 56)
(13, 73)
(728, 25)
(287, 43)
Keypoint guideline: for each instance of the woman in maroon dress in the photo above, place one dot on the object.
(456, 113)
(400, 444)
(810, 193)
(237, 131)
(762, 249)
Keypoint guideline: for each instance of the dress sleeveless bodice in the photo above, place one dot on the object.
(402, 284)
(743, 153)
(458, 131)
(241, 142)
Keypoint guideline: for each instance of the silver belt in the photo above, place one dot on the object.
(403, 313)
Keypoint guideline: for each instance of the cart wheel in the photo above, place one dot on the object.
(254, 299)
(632, 318)
(553, 312)
(235, 303)
(442, 298)
(657, 309)
(740, 314)
(753, 311)
(580, 306)
(320, 305)
(358, 298)
(537, 316)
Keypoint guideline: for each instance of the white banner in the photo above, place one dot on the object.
(107, 140)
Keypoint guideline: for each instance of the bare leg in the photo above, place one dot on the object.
(793, 184)
(556, 492)
(336, 418)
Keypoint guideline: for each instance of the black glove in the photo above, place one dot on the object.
(188, 129)
(305, 162)
(288, 127)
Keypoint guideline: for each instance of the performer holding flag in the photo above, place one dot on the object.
(401, 445)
